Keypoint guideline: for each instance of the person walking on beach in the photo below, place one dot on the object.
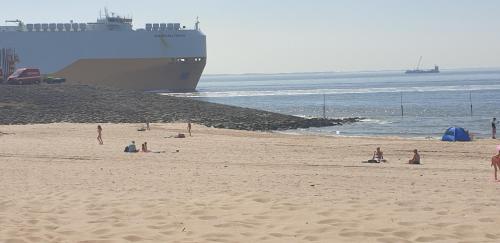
(99, 135)
(494, 123)
(189, 128)
(495, 162)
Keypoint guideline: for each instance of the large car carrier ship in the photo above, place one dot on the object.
(161, 56)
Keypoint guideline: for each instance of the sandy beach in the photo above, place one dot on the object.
(58, 185)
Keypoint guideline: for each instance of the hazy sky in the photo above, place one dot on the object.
(303, 36)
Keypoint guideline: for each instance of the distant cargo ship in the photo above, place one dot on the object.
(110, 52)
(417, 70)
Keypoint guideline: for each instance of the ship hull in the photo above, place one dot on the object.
(143, 74)
(421, 71)
(138, 60)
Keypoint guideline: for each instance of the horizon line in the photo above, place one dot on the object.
(345, 71)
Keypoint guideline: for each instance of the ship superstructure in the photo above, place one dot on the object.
(160, 56)
(417, 70)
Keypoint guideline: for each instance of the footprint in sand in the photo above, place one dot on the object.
(232, 225)
(219, 236)
(404, 234)
(133, 238)
(33, 221)
(407, 223)
(119, 225)
(157, 217)
(198, 212)
(361, 234)
(486, 220)
(261, 217)
(442, 225)
(207, 217)
(311, 238)
(101, 231)
(492, 236)
(279, 235)
(393, 240)
(262, 200)
(330, 221)
(325, 214)
(14, 241)
(429, 238)
(170, 232)
(34, 239)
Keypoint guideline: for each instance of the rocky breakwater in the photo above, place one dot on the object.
(89, 104)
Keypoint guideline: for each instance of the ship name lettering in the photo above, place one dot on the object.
(170, 36)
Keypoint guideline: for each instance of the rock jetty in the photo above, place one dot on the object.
(88, 104)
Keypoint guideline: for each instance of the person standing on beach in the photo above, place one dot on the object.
(494, 123)
(99, 135)
(189, 128)
(495, 162)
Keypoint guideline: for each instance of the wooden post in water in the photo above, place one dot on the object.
(324, 106)
(402, 108)
(470, 100)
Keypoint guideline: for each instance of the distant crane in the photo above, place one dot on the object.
(419, 63)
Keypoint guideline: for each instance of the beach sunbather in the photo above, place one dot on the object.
(416, 158)
(180, 135)
(145, 147)
(378, 155)
(495, 162)
(132, 148)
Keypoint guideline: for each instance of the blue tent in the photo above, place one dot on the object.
(453, 134)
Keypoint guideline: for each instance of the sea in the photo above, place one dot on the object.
(390, 103)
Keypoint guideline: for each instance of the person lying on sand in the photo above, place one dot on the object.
(180, 135)
(495, 162)
(416, 158)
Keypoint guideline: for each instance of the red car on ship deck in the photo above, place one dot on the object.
(25, 76)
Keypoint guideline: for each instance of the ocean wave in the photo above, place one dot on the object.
(227, 94)
(376, 121)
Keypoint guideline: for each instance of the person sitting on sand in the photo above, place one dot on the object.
(495, 162)
(145, 147)
(378, 155)
(416, 158)
(132, 148)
